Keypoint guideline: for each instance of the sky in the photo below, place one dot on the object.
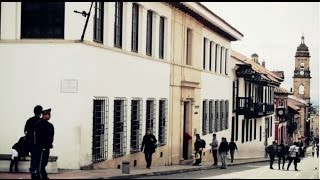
(273, 30)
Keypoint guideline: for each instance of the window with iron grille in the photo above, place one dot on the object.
(204, 117)
(98, 22)
(226, 114)
(100, 129)
(163, 122)
(135, 27)
(151, 115)
(217, 116)
(136, 125)
(235, 94)
(149, 33)
(211, 116)
(119, 127)
(118, 24)
(42, 20)
(222, 118)
(161, 38)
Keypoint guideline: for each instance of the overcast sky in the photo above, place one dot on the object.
(273, 30)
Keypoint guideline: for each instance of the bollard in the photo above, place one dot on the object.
(125, 167)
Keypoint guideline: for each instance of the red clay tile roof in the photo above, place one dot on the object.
(281, 90)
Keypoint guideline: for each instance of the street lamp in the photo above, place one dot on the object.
(85, 14)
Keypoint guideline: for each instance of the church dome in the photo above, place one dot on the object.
(302, 49)
(254, 55)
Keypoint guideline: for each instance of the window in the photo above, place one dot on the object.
(250, 129)
(247, 129)
(260, 133)
(204, 117)
(255, 129)
(135, 27)
(42, 20)
(232, 127)
(161, 38)
(210, 55)
(222, 116)
(216, 58)
(98, 22)
(136, 120)
(162, 122)
(211, 115)
(119, 127)
(150, 114)
(226, 62)
(243, 128)
(301, 89)
(100, 129)
(235, 94)
(118, 24)
(189, 47)
(217, 116)
(149, 33)
(221, 58)
(226, 114)
(302, 65)
(204, 52)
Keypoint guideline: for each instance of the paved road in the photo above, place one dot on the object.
(308, 169)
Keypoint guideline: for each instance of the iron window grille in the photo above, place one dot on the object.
(163, 116)
(151, 115)
(135, 27)
(118, 24)
(42, 20)
(136, 125)
(149, 33)
(226, 107)
(217, 116)
(100, 129)
(205, 122)
(161, 37)
(119, 127)
(222, 119)
(98, 22)
(211, 116)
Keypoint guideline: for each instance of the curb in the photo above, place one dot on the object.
(168, 172)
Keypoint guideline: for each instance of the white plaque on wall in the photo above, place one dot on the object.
(69, 86)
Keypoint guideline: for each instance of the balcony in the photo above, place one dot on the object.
(246, 107)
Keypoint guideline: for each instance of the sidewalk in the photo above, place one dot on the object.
(134, 172)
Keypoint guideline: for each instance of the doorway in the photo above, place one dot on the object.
(187, 135)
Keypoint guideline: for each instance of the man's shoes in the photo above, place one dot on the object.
(296, 170)
(271, 167)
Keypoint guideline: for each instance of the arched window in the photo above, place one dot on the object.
(301, 89)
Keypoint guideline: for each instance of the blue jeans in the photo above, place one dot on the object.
(223, 156)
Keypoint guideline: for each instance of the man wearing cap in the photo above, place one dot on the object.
(44, 132)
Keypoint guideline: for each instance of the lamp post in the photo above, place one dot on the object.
(85, 14)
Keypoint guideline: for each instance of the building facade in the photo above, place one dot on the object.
(252, 125)
(138, 66)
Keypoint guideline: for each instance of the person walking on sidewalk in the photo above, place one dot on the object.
(223, 150)
(232, 148)
(281, 154)
(148, 146)
(293, 156)
(272, 150)
(214, 149)
(199, 145)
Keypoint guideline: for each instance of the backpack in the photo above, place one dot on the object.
(203, 143)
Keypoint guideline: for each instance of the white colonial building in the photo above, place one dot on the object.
(130, 67)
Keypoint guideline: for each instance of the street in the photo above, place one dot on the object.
(308, 169)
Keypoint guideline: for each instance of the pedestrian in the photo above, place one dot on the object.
(271, 150)
(199, 145)
(149, 144)
(44, 134)
(281, 152)
(19, 150)
(223, 150)
(317, 150)
(313, 150)
(214, 149)
(29, 132)
(232, 148)
(293, 156)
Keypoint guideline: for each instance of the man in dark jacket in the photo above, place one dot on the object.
(232, 148)
(281, 152)
(199, 145)
(223, 150)
(149, 144)
(272, 150)
(44, 133)
(29, 132)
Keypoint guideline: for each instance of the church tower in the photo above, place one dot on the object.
(301, 77)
